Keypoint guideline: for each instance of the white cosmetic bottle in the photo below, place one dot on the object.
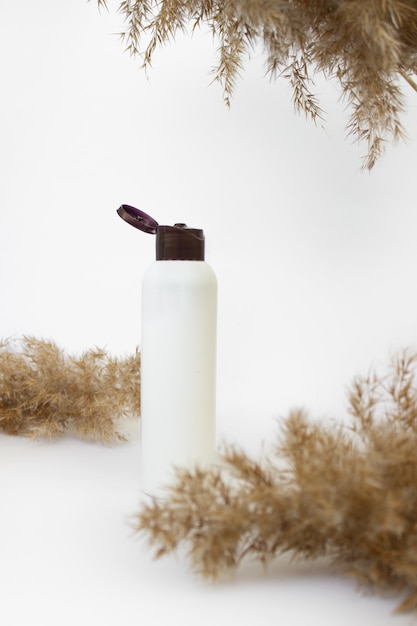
(178, 354)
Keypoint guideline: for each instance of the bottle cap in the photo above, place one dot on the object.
(173, 243)
(138, 219)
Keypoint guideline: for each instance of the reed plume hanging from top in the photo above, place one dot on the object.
(368, 46)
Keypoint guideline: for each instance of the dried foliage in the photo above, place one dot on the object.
(46, 393)
(346, 492)
(367, 46)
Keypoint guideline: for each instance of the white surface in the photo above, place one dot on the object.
(317, 283)
(68, 555)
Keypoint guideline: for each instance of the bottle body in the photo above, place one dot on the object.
(178, 370)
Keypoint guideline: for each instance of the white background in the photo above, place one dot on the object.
(316, 263)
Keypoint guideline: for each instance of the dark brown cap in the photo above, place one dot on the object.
(138, 219)
(173, 243)
(179, 243)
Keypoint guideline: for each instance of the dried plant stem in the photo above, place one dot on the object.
(408, 78)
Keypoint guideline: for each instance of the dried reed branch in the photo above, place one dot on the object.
(347, 492)
(46, 393)
(365, 45)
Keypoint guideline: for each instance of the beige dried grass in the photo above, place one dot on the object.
(344, 492)
(45, 393)
(369, 47)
